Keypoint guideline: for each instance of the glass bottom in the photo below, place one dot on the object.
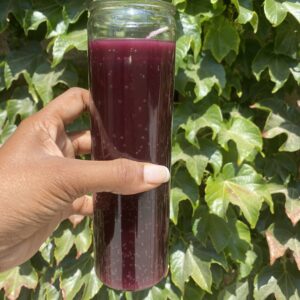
(140, 288)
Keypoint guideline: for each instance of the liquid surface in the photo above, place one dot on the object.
(132, 89)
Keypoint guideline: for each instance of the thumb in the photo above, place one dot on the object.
(120, 176)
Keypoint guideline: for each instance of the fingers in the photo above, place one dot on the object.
(81, 142)
(83, 206)
(119, 176)
(68, 106)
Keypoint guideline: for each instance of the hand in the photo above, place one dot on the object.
(42, 184)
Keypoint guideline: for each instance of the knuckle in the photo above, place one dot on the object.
(31, 125)
(81, 93)
(28, 122)
(38, 123)
(85, 203)
(125, 173)
(76, 146)
(61, 180)
(74, 91)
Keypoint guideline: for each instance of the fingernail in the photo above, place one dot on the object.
(154, 174)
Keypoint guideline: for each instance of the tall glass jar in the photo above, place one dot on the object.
(131, 67)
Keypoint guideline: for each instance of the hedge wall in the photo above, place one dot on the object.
(235, 201)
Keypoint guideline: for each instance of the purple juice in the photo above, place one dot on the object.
(132, 89)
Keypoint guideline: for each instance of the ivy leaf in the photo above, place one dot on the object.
(185, 263)
(191, 27)
(233, 236)
(220, 238)
(242, 187)
(72, 10)
(181, 113)
(195, 161)
(213, 153)
(5, 9)
(153, 294)
(12, 6)
(200, 270)
(204, 117)
(6, 132)
(64, 241)
(245, 134)
(47, 250)
(192, 291)
(295, 70)
(197, 158)
(176, 2)
(275, 11)
(292, 203)
(282, 119)
(206, 75)
(183, 188)
(281, 279)
(287, 39)
(292, 195)
(83, 237)
(113, 295)
(177, 195)
(236, 291)
(47, 291)
(91, 284)
(205, 9)
(45, 78)
(246, 13)
(247, 265)
(23, 108)
(293, 7)
(13, 280)
(162, 291)
(76, 38)
(281, 236)
(181, 81)
(79, 274)
(221, 38)
(22, 61)
(183, 183)
(200, 225)
(183, 45)
(240, 241)
(214, 227)
(49, 12)
(279, 66)
(3, 116)
(277, 124)
(280, 165)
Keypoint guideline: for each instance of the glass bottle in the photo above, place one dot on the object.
(131, 67)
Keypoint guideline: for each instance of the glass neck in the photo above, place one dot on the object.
(132, 19)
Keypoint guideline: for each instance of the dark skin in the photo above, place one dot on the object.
(42, 183)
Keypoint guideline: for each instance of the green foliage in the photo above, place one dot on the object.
(243, 188)
(13, 280)
(235, 198)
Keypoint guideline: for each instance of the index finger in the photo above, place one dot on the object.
(69, 105)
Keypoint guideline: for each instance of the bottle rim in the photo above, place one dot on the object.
(109, 4)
